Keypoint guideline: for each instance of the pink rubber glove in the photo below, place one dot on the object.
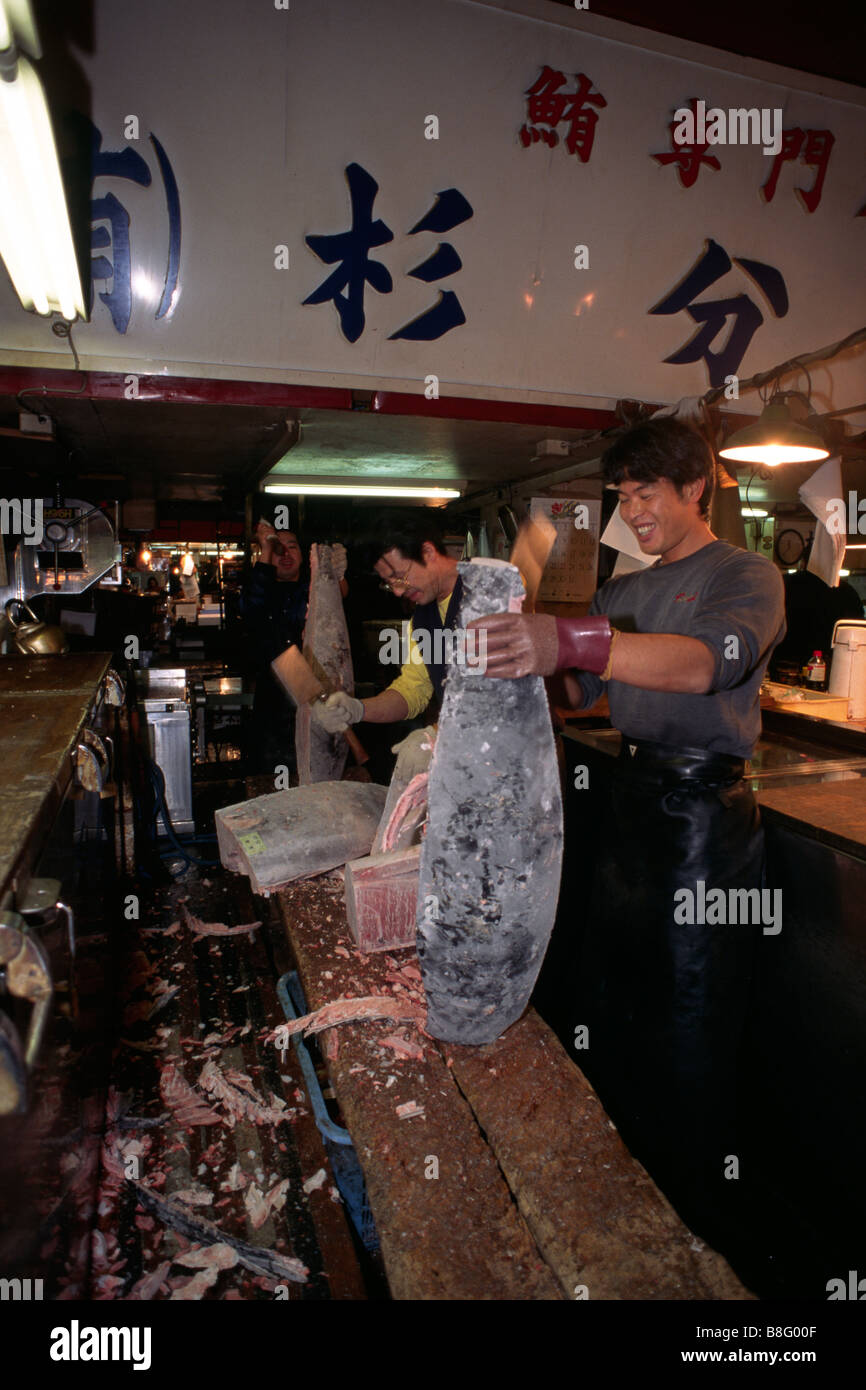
(537, 644)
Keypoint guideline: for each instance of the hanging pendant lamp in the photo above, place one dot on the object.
(775, 438)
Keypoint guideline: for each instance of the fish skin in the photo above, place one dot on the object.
(491, 860)
(407, 815)
(260, 1260)
(321, 756)
(355, 1010)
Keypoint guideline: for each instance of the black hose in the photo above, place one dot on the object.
(158, 782)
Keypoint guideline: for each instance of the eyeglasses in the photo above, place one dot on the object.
(397, 581)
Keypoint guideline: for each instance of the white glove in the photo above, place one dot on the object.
(413, 754)
(339, 560)
(337, 712)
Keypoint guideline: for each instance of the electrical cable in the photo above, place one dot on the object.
(161, 808)
(819, 355)
(61, 328)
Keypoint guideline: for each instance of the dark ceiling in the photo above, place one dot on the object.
(827, 38)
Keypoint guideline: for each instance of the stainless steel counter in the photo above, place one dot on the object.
(779, 760)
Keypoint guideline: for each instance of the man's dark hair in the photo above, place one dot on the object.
(406, 532)
(662, 449)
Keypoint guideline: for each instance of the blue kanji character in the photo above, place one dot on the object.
(172, 202)
(448, 211)
(125, 164)
(121, 164)
(713, 314)
(351, 248)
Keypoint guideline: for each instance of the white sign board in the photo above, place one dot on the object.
(453, 198)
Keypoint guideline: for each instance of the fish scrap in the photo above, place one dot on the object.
(241, 1103)
(200, 928)
(351, 1011)
(253, 1257)
(187, 1107)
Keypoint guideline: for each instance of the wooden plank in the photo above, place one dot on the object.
(447, 1222)
(596, 1215)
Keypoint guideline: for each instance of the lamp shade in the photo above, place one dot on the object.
(774, 439)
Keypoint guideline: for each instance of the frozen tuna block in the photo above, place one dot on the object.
(299, 832)
(322, 756)
(492, 855)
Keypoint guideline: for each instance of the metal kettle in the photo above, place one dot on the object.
(34, 638)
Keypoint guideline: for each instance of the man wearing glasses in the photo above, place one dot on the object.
(412, 562)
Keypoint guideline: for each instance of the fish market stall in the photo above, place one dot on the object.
(491, 1172)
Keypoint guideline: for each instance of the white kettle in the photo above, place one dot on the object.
(848, 671)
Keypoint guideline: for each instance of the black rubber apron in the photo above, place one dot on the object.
(665, 1003)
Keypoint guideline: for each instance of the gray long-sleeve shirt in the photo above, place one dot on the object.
(728, 598)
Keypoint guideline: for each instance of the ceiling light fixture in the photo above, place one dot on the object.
(753, 512)
(35, 235)
(441, 494)
(774, 439)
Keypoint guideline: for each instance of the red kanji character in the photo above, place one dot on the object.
(582, 121)
(792, 141)
(814, 146)
(819, 144)
(530, 136)
(688, 158)
(546, 106)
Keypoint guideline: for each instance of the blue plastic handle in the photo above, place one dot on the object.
(289, 985)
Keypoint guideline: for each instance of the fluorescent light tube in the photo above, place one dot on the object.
(35, 235)
(361, 490)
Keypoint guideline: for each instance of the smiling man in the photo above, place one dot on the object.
(681, 648)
